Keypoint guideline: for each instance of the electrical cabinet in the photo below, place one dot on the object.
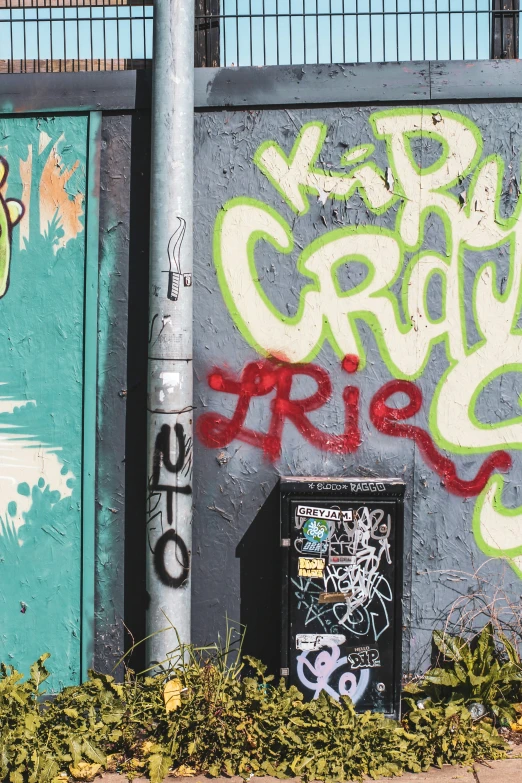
(342, 553)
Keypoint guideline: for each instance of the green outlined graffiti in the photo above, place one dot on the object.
(471, 221)
(497, 528)
(11, 212)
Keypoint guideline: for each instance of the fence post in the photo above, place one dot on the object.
(505, 30)
(207, 33)
(169, 490)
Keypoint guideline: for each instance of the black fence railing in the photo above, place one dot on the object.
(74, 35)
(60, 35)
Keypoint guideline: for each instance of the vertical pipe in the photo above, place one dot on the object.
(169, 490)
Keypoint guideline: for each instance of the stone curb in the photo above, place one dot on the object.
(505, 771)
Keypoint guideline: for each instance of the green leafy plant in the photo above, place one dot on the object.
(449, 735)
(212, 710)
(472, 672)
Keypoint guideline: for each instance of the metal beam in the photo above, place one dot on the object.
(271, 86)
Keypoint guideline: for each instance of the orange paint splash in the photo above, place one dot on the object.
(56, 203)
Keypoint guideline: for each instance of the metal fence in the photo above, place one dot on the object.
(259, 32)
(74, 35)
(60, 35)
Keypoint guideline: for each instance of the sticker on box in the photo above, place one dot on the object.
(334, 514)
(311, 567)
(315, 530)
(315, 641)
(311, 547)
(342, 560)
(363, 657)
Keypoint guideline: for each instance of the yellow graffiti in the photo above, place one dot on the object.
(11, 211)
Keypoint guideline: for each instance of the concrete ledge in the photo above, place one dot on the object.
(270, 86)
(507, 771)
(358, 83)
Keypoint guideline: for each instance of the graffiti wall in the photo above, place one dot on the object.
(358, 313)
(42, 273)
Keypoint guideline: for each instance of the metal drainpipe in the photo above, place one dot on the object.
(169, 490)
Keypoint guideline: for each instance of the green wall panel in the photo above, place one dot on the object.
(42, 318)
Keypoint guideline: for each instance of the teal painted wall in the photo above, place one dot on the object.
(41, 394)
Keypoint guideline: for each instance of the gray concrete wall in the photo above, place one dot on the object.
(235, 557)
(458, 442)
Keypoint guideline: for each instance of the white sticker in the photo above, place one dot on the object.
(325, 513)
(314, 641)
(342, 560)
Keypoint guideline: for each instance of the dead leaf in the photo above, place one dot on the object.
(84, 770)
(183, 772)
(172, 695)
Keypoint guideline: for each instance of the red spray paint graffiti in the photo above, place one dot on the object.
(263, 377)
(387, 420)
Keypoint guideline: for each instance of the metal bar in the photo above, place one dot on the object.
(463, 32)
(424, 29)
(224, 40)
(289, 30)
(91, 38)
(316, 30)
(264, 34)
(449, 28)
(344, 32)
(170, 405)
(411, 33)
(370, 25)
(331, 30)
(118, 36)
(25, 38)
(397, 28)
(51, 36)
(383, 32)
(356, 31)
(104, 37)
(38, 37)
(90, 346)
(144, 36)
(476, 30)
(251, 42)
(78, 36)
(131, 44)
(454, 11)
(436, 30)
(277, 29)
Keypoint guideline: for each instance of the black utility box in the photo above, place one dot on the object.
(342, 545)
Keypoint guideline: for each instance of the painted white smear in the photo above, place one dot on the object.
(24, 459)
